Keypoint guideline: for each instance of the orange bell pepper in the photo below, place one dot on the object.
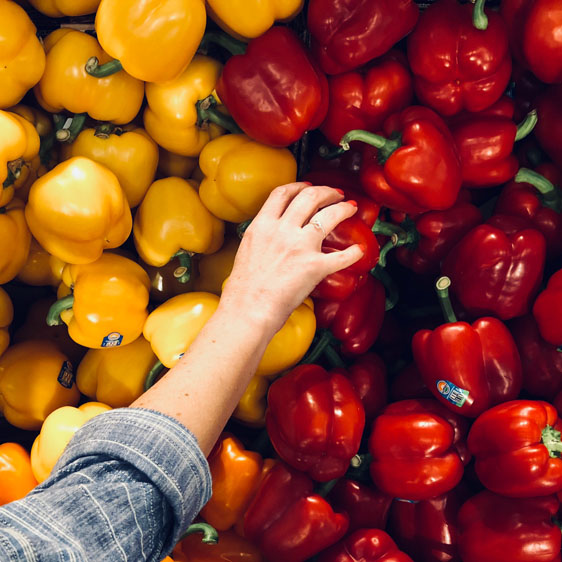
(15, 240)
(6, 318)
(16, 477)
(61, 8)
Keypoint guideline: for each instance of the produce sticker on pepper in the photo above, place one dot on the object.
(452, 392)
(112, 340)
(66, 375)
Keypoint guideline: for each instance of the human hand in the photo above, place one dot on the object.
(280, 260)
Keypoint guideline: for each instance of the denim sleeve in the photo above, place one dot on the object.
(126, 487)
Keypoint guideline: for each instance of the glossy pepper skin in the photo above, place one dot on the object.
(251, 408)
(422, 172)
(56, 432)
(62, 8)
(128, 152)
(451, 74)
(23, 59)
(370, 545)
(171, 218)
(41, 268)
(349, 34)
(65, 84)
(495, 273)
(548, 129)
(315, 421)
(418, 449)
(274, 91)
(16, 477)
(6, 318)
(40, 365)
(287, 521)
(15, 240)
(364, 99)
(115, 376)
(515, 448)
(248, 20)
(497, 529)
(171, 117)
(547, 309)
(110, 300)
(215, 268)
(355, 321)
(154, 40)
(435, 234)
(77, 210)
(343, 284)
(240, 174)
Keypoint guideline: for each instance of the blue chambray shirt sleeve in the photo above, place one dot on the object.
(126, 487)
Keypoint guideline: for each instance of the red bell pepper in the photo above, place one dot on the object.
(468, 368)
(355, 321)
(540, 360)
(366, 506)
(549, 128)
(407, 384)
(457, 66)
(315, 420)
(364, 99)
(517, 449)
(274, 91)
(496, 269)
(485, 145)
(418, 449)
(547, 310)
(497, 529)
(288, 521)
(349, 33)
(367, 545)
(534, 197)
(415, 168)
(428, 529)
(341, 284)
(437, 232)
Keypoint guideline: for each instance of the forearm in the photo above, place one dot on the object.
(203, 389)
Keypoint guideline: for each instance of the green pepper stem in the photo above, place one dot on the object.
(46, 148)
(210, 535)
(551, 440)
(325, 339)
(183, 272)
(324, 489)
(359, 467)
(333, 357)
(479, 18)
(53, 316)
(392, 295)
(14, 172)
(550, 194)
(385, 146)
(527, 125)
(398, 237)
(242, 227)
(442, 288)
(69, 132)
(93, 67)
(232, 45)
(105, 130)
(207, 111)
(386, 228)
(153, 374)
(330, 153)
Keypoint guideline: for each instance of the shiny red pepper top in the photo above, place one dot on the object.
(547, 310)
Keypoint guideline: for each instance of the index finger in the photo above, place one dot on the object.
(279, 199)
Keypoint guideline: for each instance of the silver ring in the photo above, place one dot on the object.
(317, 224)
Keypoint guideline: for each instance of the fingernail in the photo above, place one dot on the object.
(352, 202)
(306, 183)
(340, 191)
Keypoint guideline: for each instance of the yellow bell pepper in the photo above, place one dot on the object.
(246, 19)
(108, 305)
(35, 327)
(215, 268)
(172, 327)
(38, 118)
(290, 344)
(6, 318)
(154, 40)
(172, 117)
(22, 59)
(56, 432)
(16, 478)
(19, 145)
(116, 376)
(129, 153)
(15, 239)
(253, 404)
(66, 85)
(172, 219)
(41, 268)
(77, 210)
(61, 8)
(240, 174)
(164, 283)
(35, 379)
(171, 164)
